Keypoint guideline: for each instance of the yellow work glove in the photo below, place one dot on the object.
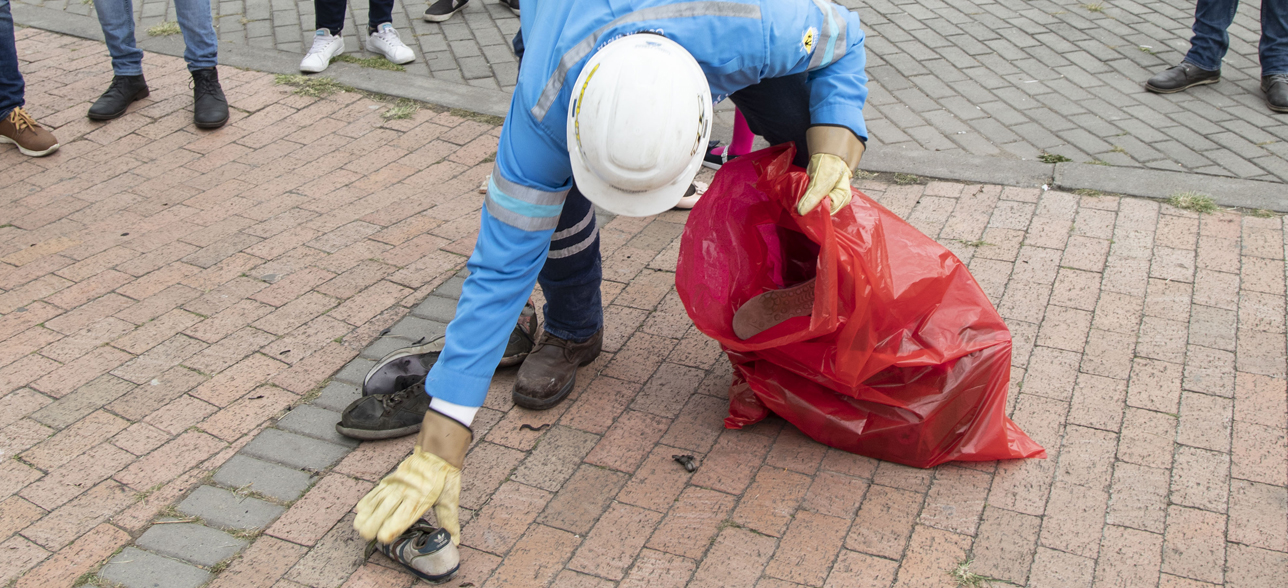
(835, 153)
(430, 477)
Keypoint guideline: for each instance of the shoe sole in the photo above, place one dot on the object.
(211, 125)
(115, 115)
(769, 309)
(548, 403)
(431, 347)
(370, 435)
(1157, 90)
(441, 18)
(709, 165)
(26, 151)
(1271, 106)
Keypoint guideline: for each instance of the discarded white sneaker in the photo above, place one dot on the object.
(691, 197)
(325, 46)
(385, 41)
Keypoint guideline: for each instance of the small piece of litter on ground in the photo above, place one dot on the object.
(690, 464)
(528, 427)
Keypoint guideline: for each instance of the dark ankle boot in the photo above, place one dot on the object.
(116, 100)
(209, 106)
(1276, 89)
(550, 371)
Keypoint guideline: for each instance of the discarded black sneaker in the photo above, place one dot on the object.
(426, 552)
(403, 367)
(385, 416)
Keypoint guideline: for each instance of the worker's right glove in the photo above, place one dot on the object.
(834, 153)
(430, 477)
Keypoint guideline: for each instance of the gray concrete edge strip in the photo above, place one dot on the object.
(1147, 183)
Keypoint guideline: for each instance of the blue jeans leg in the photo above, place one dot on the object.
(379, 12)
(1211, 39)
(117, 19)
(1274, 37)
(202, 44)
(571, 276)
(11, 84)
(778, 110)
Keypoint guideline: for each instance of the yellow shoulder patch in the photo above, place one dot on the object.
(807, 41)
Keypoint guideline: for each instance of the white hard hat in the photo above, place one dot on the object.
(638, 124)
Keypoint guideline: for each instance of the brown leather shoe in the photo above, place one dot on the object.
(550, 371)
(32, 139)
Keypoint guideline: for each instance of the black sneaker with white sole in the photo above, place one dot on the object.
(426, 552)
(513, 5)
(385, 416)
(444, 9)
(407, 366)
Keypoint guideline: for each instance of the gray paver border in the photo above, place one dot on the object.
(1147, 183)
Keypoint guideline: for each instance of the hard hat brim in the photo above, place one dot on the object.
(617, 201)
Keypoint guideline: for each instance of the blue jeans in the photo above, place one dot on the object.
(329, 14)
(11, 85)
(1212, 18)
(777, 109)
(117, 20)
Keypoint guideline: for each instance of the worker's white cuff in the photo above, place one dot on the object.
(462, 414)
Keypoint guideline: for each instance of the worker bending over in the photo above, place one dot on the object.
(613, 107)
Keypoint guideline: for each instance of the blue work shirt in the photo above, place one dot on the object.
(736, 42)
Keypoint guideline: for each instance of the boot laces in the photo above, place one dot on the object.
(1276, 78)
(390, 401)
(205, 84)
(22, 122)
(547, 339)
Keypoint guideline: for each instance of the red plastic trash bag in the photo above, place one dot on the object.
(903, 357)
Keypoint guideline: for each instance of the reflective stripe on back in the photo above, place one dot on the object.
(831, 45)
(579, 51)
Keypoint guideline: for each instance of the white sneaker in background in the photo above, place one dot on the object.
(325, 46)
(385, 41)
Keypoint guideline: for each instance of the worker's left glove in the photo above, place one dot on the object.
(430, 477)
(834, 153)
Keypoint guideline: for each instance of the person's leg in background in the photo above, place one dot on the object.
(738, 146)
(1211, 40)
(328, 18)
(1274, 54)
(574, 313)
(209, 106)
(16, 126)
(382, 38)
(778, 110)
(116, 17)
(12, 88)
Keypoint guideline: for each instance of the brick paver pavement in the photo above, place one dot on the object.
(167, 294)
(1003, 78)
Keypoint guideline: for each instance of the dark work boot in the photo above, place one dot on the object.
(209, 106)
(116, 100)
(550, 371)
(1276, 89)
(385, 416)
(1182, 77)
